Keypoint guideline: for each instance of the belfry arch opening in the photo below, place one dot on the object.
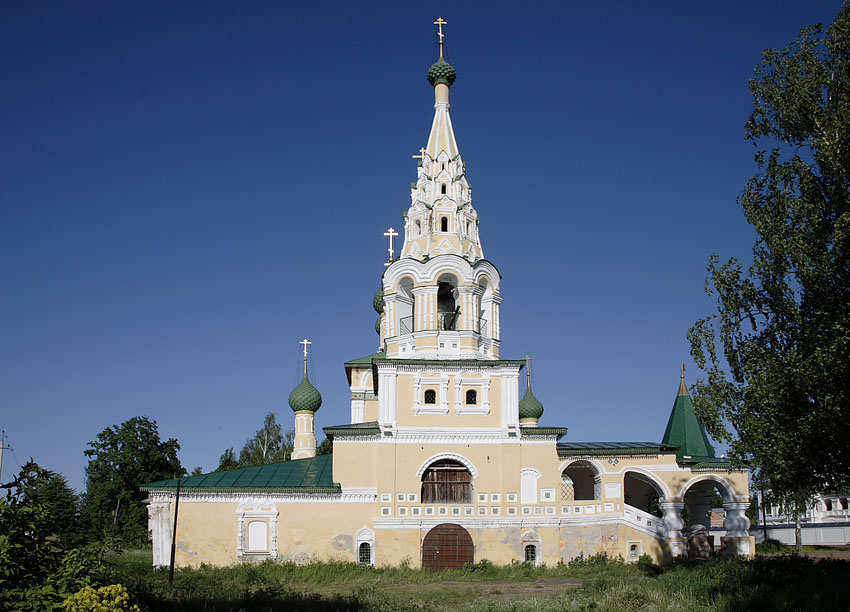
(444, 221)
(404, 306)
(447, 308)
(581, 481)
(446, 481)
(643, 493)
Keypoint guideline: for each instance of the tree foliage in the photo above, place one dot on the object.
(783, 324)
(38, 567)
(269, 444)
(120, 459)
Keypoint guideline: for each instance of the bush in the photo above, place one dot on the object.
(112, 598)
(770, 546)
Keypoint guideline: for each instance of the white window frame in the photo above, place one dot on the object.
(249, 511)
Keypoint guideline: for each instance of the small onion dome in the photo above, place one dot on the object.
(378, 301)
(305, 397)
(441, 72)
(529, 406)
(378, 325)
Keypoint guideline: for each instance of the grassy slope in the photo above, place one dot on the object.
(775, 583)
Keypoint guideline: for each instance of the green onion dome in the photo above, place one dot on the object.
(529, 406)
(378, 325)
(378, 301)
(441, 72)
(305, 397)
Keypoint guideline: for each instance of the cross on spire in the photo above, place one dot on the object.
(440, 23)
(420, 156)
(528, 369)
(683, 371)
(305, 342)
(391, 233)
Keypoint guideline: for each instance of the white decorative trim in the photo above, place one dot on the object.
(454, 456)
(719, 480)
(483, 390)
(365, 536)
(429, 378)
(259, 508)
(347, 496)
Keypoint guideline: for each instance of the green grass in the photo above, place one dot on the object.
(765, 583)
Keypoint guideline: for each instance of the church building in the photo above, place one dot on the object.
(443, 463)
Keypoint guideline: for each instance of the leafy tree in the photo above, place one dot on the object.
(269, 445)
(325, 448)
(197, 470)
(37, 567)
(227, 461)
(783, 325)
(120, 459)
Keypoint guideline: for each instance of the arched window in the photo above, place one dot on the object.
(471, 397)
(364, 554)
(531, 554)
(258, 539)
(417, 228)
(430, 396)
(586, 481)
(446, 481)
(443, 191)
(528, 486)
(444, 221)
(828, 503)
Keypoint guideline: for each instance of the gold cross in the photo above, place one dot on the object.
(305, 342)
(440, 23)
(528, 369)
(421, 154)
(391, 233)
(683, 371)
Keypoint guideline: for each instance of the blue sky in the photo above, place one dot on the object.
(191, 188)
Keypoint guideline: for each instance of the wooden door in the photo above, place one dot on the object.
(447, 546)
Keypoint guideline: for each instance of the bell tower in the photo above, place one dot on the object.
(440, 297)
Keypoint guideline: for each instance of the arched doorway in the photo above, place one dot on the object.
(447, 546)
(580, 480)
(643, 493)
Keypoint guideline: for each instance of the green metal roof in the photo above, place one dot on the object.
(314, 474)
(613, 448)
(365, 361)
(685, 430)
(542, 431)
(352, 429)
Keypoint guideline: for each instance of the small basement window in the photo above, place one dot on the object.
(531, 554)
(430, 396)
(471, 397)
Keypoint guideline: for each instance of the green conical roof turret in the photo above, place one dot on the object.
(305, 397)
(685, 430)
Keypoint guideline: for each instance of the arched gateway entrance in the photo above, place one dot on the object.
(447, 546)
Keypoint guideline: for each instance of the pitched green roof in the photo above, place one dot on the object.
(685, 430)
(352, 429)
(612, 448)
(312, 475)
(365, 361)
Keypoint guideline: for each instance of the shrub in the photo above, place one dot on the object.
(770, 546)
(112, 598)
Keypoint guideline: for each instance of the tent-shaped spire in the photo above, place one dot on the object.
(685, 430)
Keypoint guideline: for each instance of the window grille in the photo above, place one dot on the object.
(472, 397)
(365, 554)
(531, 553)
(430, 396)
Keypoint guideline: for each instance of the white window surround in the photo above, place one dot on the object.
(429, 380)
(365, 536)
(261, 511)
(531, 538)
(481, 385)
(528, 485)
